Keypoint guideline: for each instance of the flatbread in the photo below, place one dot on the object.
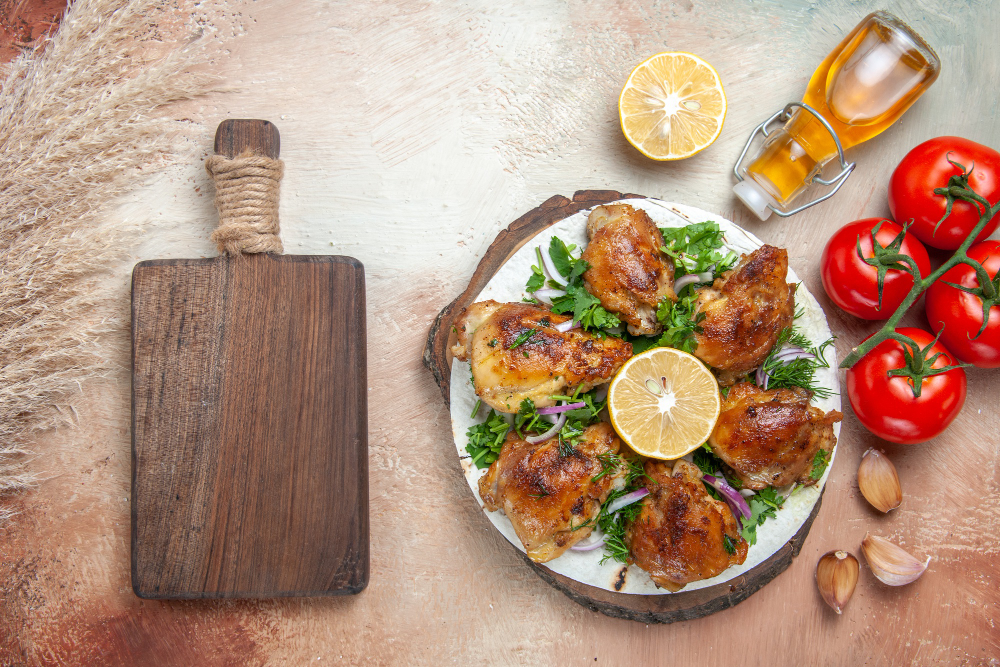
(585, 567)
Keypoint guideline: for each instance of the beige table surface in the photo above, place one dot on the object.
(413, 131)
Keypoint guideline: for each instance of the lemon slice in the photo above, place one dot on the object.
(664, 403)
(672, 106)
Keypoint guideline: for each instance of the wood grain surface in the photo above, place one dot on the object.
(682, 606)
(413, 132)
(249, 422)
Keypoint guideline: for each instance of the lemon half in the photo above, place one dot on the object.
(664, 403)
(672, 106)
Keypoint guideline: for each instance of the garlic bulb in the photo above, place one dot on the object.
(891, 564)
(879, 482)
(836, 577)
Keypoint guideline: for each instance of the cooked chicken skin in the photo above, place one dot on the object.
(628, 273)
(679, 536)
(745, 310)
(770, 437)
(516, 354)
(547, 495)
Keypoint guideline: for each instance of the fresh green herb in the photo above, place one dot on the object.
(613, 526)
(697, 247)
(545, 322)
(486, 439)
(586, 523)
(525, 354)
(586, 308)
(540, 494)
(610, 463)
(706, 460)
(493, 343)
(680, 322)
(763, 506)
(820, 462)
(797, 372)
(522, 338)
(475, 410)
(565, 447)
(727, 542)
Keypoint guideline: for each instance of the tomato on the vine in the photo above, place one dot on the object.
(911, 190)
(958, 315)
(887, 405)
(852, 283)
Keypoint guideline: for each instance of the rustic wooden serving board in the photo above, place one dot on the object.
(249, 420)
(666, 608)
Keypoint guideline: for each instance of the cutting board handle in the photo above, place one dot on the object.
(247, 176)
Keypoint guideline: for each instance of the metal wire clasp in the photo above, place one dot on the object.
(837, 181)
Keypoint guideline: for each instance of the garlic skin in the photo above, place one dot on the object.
(891, 564)
(836, 577)
(878, 481)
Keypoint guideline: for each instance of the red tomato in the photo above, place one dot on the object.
(885, 404)
(911, 189)
(961, 313)
(852, 284)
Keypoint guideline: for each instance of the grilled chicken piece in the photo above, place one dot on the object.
(770, 437)
(551, 499)
(680, 534)
(628, 273)
(745, 310)
(516, 353)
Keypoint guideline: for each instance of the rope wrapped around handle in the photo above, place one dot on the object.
(246, 196)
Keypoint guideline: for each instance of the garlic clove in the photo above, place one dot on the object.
(836, 577)
(891, 564)
(879, 482)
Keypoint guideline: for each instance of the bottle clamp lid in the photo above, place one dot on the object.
(751, 194)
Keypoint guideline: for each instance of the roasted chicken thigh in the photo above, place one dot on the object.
(550, 496)
(628, 272)
(681, 533)
(517, 353)
(770, 437)
(744, 312)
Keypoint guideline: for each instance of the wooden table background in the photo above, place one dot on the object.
(413, 131)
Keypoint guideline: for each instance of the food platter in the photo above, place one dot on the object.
(611, 587)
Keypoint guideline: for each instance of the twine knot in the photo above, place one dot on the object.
(246, 196)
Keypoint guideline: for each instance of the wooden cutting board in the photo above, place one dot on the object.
(249, 420)
(681, 606)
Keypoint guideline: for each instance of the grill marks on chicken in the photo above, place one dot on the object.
(679, 536)
(551, 499)
(628, 273)
(745, 310)
(516, 353)
(770, 437)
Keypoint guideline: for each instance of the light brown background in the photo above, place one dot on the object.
(412, 133)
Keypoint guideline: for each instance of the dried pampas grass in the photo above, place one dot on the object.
(76, 125)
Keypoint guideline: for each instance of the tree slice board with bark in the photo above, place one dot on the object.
(249, 420)
(667, 608)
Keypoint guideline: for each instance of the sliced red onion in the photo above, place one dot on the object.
(746, 493)
(589, 546)
(535, 439)
(601, 393)
(549, 293)
(563, 327)
(691, 279)
(792, 353)
(556, 409)
(762, 377)
(627, 500)
(732, 496)
(551, 268)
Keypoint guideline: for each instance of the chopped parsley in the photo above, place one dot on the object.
(696, 248)
(585, 307)
(763, 506)
(522, 338)
(727, 542)
(486, 439)
(680, 322)
(820, 462)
